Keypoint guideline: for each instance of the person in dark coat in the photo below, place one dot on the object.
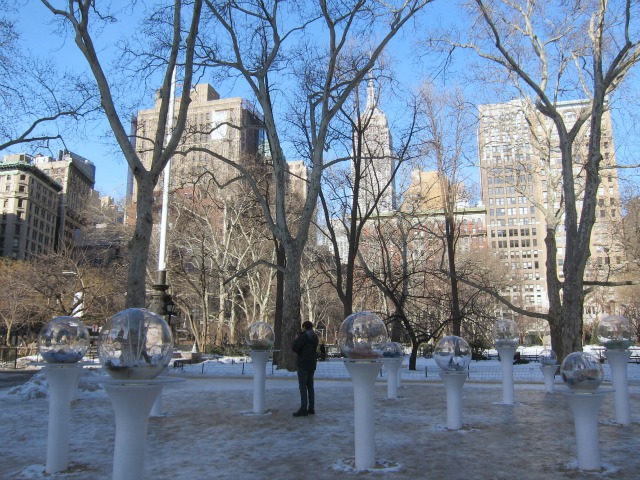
(305, 346)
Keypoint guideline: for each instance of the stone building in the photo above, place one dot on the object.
(30, 202)
(520, 171)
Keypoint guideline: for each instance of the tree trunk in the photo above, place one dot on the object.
(139, 244)
(414, 355)
(279, 310)
(291, 311)
(456, 318)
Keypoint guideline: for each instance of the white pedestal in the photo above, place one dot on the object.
(259, 359)
(132, 401)
(506, 360)
(585, 407)
(618, 361)
(392, 366)
(453, 383)
(549, 374)
(63, 382)
(363, 375)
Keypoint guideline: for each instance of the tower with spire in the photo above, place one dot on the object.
(373, 145)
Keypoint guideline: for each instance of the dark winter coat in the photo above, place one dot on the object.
(305, 346)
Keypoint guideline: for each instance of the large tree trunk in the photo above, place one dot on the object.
(139, 244)
(291, 320)
(572, 317)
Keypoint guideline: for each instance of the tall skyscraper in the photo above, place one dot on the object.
(229, 127)
(520, 169)
(377, 162)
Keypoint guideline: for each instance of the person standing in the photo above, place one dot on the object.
(305, 346)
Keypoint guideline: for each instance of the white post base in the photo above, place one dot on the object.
(392, 366)
(363, 375)
(63, 383)
(131, 404)
(259, 359)
(618, 361)
(506, 361)
(585, 407)
(549, 374)
(453, 383)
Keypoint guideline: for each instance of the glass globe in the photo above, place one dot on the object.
(615, 332)
(260, 336)
(135, 344)
(505, 333)
(63, 340)
(582, 371)
(548, 357)
(362, 335)
(452, 353)
(392, 350)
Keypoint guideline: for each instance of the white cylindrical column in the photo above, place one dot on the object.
(392, 367)
(363, 375)
(618, 361)
(585, 407)
(131, 404)
(453, 383)
(549, 374)
(506, 360)
(259, 359)
(63, 382)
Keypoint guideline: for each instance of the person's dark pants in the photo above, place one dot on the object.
(307, 395)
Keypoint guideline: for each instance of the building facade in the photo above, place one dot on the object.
(30, 202)
(520, 172)
(225, 127)
(77, 176)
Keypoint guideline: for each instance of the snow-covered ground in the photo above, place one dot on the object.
(208, 431)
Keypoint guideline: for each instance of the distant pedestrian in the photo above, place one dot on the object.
(305, 346)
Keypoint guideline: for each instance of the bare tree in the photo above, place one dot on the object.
(552, 52)
(255, 43)
(354, 194)
(84, 17)
(447, 133)
(16, 309)
(39, 103)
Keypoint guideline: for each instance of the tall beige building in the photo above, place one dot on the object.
(77, 176)
(521, 186)
(29, 201)
(230, 127)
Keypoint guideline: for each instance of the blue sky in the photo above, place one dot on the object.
(111, 168)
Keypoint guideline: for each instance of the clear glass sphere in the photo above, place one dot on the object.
(135, 344)
(452, 353)
(506, 333)
(582, 371)
(260, 336)
(362, 335)
(392, 350)
(63, 340)
(615, 332)
(548, 357)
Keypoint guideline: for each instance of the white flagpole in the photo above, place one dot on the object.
(162, 254)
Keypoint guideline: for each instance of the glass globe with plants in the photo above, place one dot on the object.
(135, 344)
(362, 335)
(63, 340)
